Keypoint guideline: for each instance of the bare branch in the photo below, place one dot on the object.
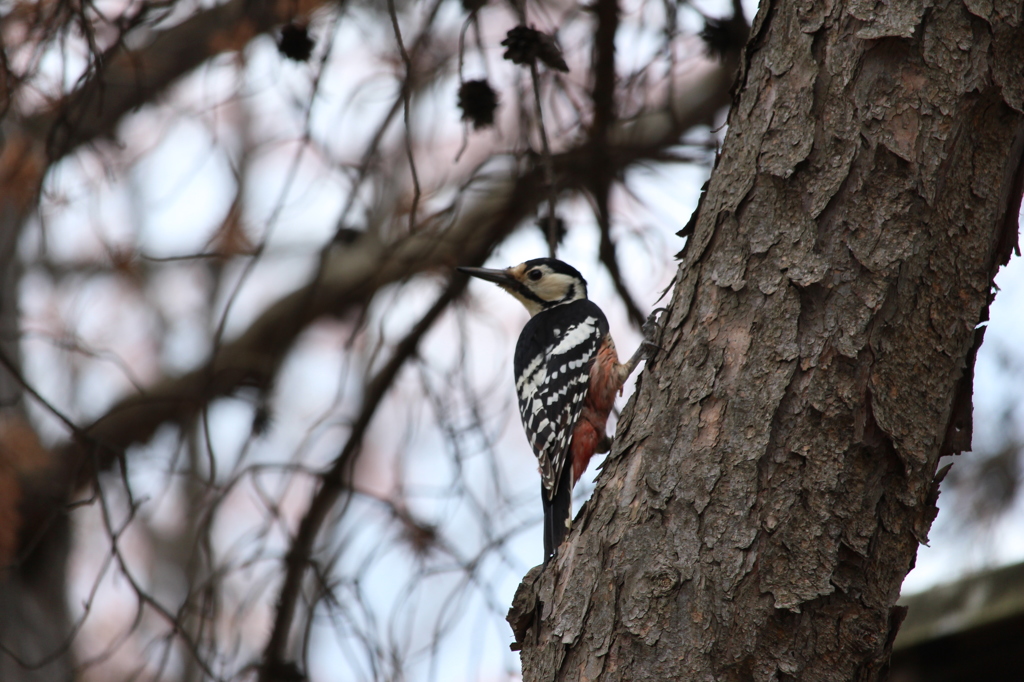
(603, 95)
(406, 88)
(491, 207)
(128, 79)
(333, 482)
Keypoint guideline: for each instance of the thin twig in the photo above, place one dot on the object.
(602, 171)
(406, 87)
(603, 94)
(608, 254)
(549, 169)
(375, 140)
(333, 481)
(9, 365)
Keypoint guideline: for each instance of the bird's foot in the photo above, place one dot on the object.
(652, 330)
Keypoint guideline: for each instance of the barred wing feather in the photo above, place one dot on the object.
(552, 366)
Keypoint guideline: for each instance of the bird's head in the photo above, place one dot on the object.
(539, 284)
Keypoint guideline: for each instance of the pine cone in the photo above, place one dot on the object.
(526, 45)
(721, 36)
(543, 223)
(478, 101)
(295, 42)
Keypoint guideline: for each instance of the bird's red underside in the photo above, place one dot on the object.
(605, 382)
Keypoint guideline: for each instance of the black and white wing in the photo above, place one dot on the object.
(552, 369)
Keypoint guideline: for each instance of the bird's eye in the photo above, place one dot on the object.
(535, 274)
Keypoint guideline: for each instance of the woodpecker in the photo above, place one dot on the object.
(567, 373)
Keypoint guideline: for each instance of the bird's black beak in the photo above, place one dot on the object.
(497, 276)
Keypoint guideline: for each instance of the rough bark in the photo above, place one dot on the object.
(776, 470)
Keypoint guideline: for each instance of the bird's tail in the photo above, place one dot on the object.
(557, 512)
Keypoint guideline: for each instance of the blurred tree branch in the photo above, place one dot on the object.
(124, 80)
(352, 271)
(492, 207)
(335, 480)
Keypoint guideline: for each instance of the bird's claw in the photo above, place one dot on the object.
(652, 330)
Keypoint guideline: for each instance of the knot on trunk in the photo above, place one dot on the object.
(526, 608)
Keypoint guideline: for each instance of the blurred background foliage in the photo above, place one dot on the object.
(230, 232)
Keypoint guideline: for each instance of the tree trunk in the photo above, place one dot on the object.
(773, 476)
(35, 626)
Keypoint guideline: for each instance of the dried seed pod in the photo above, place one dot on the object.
(295, 42)
(722, 36)
(544, 224)
(525, 45)
(477, 100)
